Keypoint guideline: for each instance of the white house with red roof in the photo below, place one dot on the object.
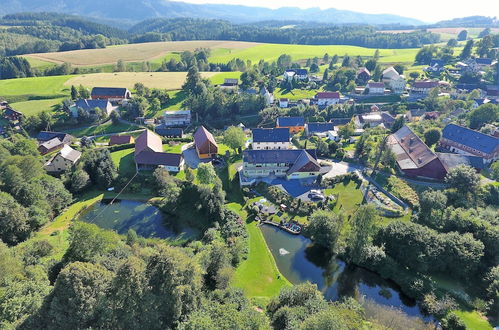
(327, 98)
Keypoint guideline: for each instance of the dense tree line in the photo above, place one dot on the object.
(14, 67)
(204, 29)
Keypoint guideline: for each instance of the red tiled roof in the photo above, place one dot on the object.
(327, 95)
(149, 141)
(425, 84)
(204, 140)
(120, 139)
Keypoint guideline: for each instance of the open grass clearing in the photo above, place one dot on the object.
(106, 128)
(30, 108)
(40, 86)
(295, 94)
(164, 80)
(473, 320)
(124, 161)
(134, 52)
(219, 77)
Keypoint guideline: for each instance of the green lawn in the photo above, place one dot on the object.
(42, 86)
(270, 52)
(219, 78)
(106, 128)
(473, 320)
(294, 94)
(38, 63)
(349, 197)
(175, 103)
(124, 161)
(258, 275)
(30, 108)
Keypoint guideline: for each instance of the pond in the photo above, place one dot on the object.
(146, 219)
(300, 261)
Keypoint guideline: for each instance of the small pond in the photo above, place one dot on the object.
(300, 261)
(146, 219)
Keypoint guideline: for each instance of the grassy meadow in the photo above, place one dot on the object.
(33, 107)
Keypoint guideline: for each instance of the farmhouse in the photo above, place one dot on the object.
(374, 119)
(363, 76)
(45, 136)
(271, 138)
(422, 88)
(50, 145)
(206, 146)
(466, 141)
(493, 92)
(63, 160)
(177, 118)
(149, 154)
(291, 163)
(436, 65)
(301, 74)
(89, 106)
(294, 124)
(319, 129)
(121, 139)
(389, 74)
(327, 98)
(375, 88)
(11, 114)
(413, 156)
(113, 94)
(397, 85)
(289, 75)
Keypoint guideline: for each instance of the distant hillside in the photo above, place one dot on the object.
(137, 10)
(470, 21)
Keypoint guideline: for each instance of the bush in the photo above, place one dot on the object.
(402, 190)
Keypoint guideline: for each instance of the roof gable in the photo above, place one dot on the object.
(468, 137)
(110, 91)
(148, 141)
(411, 152)
(290, 121)
(270, 135)
(203, 137)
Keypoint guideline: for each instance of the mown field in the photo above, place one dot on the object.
(133, 52)
(222, 52)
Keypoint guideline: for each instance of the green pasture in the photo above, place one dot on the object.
(106, 128)
(35, 86)
(30, 108)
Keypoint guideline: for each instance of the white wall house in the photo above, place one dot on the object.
(271, 138)
(327, 98)
(63, 160)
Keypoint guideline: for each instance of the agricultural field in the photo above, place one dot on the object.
(294, 94)
(33, 107)
(35, 86)
(164, 80)
(133, 52)
(449, 32)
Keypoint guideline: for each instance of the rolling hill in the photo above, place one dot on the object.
(137, 10)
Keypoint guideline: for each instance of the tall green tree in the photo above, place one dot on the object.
(325, 228)
(234, 137)
(363, 228)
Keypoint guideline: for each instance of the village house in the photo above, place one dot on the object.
(271, 138)
(89, 106)
(65, 159)
(50, 146)
(479, 102)
(375, 88)
(267, 96)
(422, 88)
(397, 85)
(327, 98)
(321, 129)
(11, 114)
(301, 74)
(450, 161)
(121, 139)
(45, 136)
(413, 156)
(231, 82)
(290, 164)
(169, 132)
(466, 141)
(435, 66)
(389, 74)
(374, 119)
(113, 94)
(294, 124)
(289, 75)
(149, 154)
(484, 63)
(206, 146)
(283, 103)
(363, 76)
(177, 118)
(493, 92)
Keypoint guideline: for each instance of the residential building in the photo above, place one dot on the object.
(466, 141)
(89, 106)
(290, 163)
(11, 114)
(294, 124)
(435, 66)
(283, 103)
(231, 82)
(413, 156)
(289, 75)
(493, 92)
(422, 88)
(177, 118)
(479, 102)
(333, 135)
(319, 129)
(327, 98)
(206, 146)
(375, 88)
(113, 94)
(50, 146)
(484, 63)
(170, 132)
(374, 119)
(65, 159)
(450, 161)
(267, 96)
(45, 136)
(363, 76)
(121, 139)
(271, 138)
(389, 74)
(149, 154)
(397, 85)
(301, 74)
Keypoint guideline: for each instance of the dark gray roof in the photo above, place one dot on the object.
(109, 91)
(290, 121)
(484, 61)
(468, 137)
(301, 72)
(168, 131)
(270, 135)
(45, 136)
(52, 143)
(158, 158)
(288, 156)
(452, 160)
(319, 127)
(91, 104)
